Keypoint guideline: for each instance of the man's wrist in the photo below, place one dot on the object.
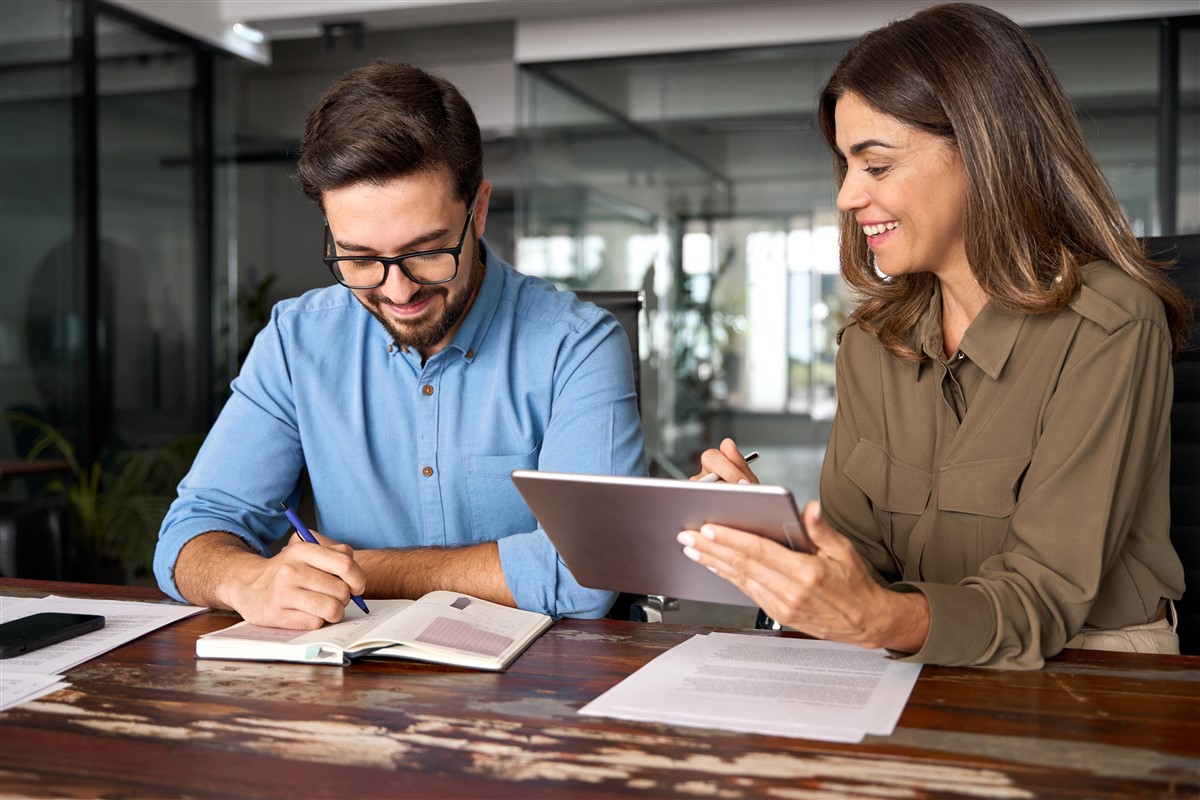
(230, 583)
(214, 568)
(373, 564)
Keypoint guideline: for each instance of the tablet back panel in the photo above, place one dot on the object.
(619, 533)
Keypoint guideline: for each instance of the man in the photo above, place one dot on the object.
(409, 392)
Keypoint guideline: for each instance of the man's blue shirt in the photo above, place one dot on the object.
(401, 454)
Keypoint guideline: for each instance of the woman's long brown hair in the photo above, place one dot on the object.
(1038, 206)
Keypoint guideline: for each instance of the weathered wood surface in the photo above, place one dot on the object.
(149, 720)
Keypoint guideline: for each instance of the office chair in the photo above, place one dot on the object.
(1185, 437)
(627, 306)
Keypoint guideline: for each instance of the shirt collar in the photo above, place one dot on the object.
(988, 342)
(990, 339)
(479, 318)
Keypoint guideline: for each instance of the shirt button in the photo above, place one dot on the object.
(427, 471)
(960, 355)
(470, 354)
(427, 390)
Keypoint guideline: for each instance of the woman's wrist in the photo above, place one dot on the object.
(905, 621)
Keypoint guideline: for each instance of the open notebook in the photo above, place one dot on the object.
(442, 627)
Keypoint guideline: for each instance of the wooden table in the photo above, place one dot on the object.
(147, 719)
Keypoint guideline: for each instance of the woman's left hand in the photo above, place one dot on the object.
(828, 594)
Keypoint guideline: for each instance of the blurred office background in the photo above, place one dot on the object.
(148, 219)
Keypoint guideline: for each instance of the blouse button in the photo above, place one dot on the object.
(427, 471)
(427, 390)
(960, 355)
(470, 354)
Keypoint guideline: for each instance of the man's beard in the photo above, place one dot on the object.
(428, 333)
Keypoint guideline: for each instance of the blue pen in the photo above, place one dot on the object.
(307, 536)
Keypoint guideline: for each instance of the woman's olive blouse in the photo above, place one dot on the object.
(1022, 483)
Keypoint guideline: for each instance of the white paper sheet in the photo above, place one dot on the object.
(124, 621)
(21, 687)
(761, 684)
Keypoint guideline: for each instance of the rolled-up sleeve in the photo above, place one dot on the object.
(252, 453)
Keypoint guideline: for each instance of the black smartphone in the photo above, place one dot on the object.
(42, 630)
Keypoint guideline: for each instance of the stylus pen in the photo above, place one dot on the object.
(712, 476)
(307, 536)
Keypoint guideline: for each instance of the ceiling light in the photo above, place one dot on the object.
(253, 35)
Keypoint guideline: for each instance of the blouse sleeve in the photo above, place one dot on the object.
(844, 504)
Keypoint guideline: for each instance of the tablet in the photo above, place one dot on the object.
(619, 533)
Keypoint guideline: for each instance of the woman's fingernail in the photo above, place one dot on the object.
(743, 480)
(713, 570)
(692, 553)
(685, 538)
(708, 532)
(817, 512)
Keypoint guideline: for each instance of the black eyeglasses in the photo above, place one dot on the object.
(424, 266)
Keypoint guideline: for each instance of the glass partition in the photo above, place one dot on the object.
(1116, 100)
(699, 180)
(1188, 212)
(138, 155)
(42, 327)
(147, 256)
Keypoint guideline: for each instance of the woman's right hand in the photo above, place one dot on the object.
(727, 463)
(828, 594)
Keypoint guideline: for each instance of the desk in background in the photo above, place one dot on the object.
(148, 719)
(10, 467)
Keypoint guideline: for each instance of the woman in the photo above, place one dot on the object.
(996, 484)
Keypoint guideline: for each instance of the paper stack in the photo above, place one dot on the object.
(764, 684)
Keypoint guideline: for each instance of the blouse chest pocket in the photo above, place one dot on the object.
(985, 492)
(983, 488)
(892, 486)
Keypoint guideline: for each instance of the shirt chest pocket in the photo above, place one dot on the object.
(497, 508)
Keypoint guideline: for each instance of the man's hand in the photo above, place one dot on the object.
(301, 588)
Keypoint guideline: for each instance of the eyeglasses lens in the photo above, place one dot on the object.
(432, 268)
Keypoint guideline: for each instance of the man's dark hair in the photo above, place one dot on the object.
(388, 120)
